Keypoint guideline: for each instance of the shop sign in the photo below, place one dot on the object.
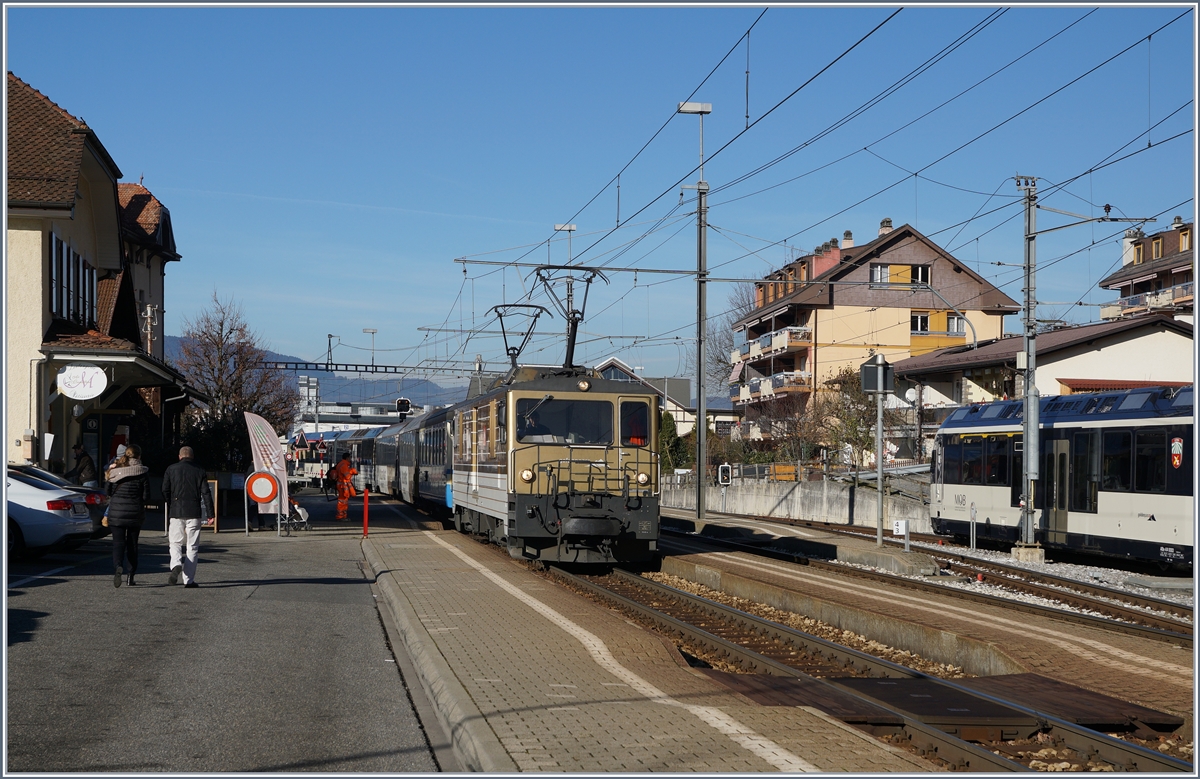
(82, 381)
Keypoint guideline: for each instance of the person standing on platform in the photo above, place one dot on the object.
(128, 492)
(189, 504)
(345, 487)
(84, 472)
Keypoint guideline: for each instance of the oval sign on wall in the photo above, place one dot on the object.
(82, 381)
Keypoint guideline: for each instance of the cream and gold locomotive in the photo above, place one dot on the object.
(555, 465)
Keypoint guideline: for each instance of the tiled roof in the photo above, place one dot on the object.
(45, 149)
(140, 210)
(106, 300)
(92, 339)
(1003, 350)
(1149, 268)
(145, 219)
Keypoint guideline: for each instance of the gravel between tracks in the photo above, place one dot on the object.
(813, 627)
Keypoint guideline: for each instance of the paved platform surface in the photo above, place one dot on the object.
(528, 676)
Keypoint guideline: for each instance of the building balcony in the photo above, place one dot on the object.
(774, 342)
(767, 387)
(1169, 299)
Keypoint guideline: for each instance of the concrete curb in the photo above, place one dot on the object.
(475, 744)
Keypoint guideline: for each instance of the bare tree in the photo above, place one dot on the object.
(222, 358)
(720, 340)
(847, 415)
(796, 434)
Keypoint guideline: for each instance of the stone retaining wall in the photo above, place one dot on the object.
(819, 501)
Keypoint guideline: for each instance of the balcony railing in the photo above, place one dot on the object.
(1171, 297)
(775, 341)
(767, 387)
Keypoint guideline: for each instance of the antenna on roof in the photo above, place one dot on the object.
(141, 178)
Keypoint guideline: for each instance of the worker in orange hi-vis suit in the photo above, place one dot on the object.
(344, 471)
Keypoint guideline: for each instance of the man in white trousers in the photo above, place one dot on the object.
(189, 503)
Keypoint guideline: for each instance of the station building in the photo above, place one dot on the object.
(86, 265)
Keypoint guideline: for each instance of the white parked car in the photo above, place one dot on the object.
(43, 517)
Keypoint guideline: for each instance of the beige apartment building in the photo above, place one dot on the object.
(899, 295)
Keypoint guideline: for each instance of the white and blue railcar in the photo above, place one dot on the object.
(1116, 474)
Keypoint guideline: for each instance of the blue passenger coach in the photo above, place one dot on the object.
(1116, 473)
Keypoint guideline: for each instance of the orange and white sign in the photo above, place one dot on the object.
(262, 487)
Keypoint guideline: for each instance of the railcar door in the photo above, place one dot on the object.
(1058, 487)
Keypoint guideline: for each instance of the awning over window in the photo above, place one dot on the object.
(1114, 385)
(736, 373)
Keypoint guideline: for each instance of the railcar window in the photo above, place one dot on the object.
(1085, 467)
(1184, 398)
(972, 461)
(1134, 402)
(1116, 461)
(952, 454)
(996, 472)
(1150, 464)
(559, 421)
(635, 424)
(992, 410)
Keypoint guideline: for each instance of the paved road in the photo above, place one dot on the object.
(278, 662)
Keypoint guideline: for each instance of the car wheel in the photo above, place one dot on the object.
(16, 542)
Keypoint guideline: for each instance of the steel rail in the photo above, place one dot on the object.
(1159, 634)
(961, 754)
(1123, 754)
(1089, 598)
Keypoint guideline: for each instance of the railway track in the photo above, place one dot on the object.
(1120, 610)
(1169, 631)
(953, 725)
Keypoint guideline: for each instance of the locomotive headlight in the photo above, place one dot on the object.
(643, 479)
(584, 385)
(526, 475)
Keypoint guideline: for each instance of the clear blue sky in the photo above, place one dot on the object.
(325, 167)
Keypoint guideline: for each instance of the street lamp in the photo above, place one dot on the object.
(568, 229)
(372, 331)
(701, 311)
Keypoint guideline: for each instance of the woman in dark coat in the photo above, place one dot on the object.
(129, 492)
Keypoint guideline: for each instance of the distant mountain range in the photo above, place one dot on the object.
(340, 387)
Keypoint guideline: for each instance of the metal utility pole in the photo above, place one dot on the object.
(1029, 433)
(701, 312)
(879, 385)
(1027, 360)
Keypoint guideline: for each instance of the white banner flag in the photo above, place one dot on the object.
(268, 456)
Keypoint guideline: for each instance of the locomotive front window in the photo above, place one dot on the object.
(635, 424)
(554, 421)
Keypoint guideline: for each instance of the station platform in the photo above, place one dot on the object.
(525, 675)
(806, 541)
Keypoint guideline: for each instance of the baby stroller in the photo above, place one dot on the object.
(297, 518)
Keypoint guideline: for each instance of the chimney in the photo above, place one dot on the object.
(834, 250)
(885, 226)
(847, 240)
(1132, 236)
(1177, 223)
